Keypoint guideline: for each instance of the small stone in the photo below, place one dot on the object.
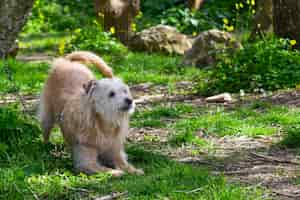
(220, 98)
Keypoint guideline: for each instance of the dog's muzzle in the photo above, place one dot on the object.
(129, 106)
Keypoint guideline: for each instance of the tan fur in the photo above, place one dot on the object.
(93, 124)
(90, 58)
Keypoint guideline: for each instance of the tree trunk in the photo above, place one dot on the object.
(194, 4)
(13, 14)
(118, 14)
(263, 19)
(286, 16)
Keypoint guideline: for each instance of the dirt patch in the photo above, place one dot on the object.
(290, 98)
(253, 161)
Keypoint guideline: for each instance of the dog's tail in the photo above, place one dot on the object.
(90, 58)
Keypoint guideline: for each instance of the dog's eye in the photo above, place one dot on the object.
(111, 94)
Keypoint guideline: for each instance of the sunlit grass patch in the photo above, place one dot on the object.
(157, 115)
(163, 179)
(242, 121)
(42, 43)
(35, 170)
(154, 68)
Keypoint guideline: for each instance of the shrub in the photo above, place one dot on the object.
(291, 136)
(266, 64)
(155, 7)
(16, 130)
(93, 38)
(186, 21)
(214, 14)
(12, 76)
(59, 15)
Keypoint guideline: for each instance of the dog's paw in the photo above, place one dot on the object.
(140, 172)
(116, 173)
(137, 171)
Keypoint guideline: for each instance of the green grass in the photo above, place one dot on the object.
(184, 121)
(136, 68)
(28, 167)
(156, 116)
(242, 121)
(164, 178)
(21, 76)
(291, 137)
(154, 68)
(44, 43)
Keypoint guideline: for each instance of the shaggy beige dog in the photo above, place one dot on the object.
(93, 115)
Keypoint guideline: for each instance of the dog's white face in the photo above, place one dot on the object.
(111, 97)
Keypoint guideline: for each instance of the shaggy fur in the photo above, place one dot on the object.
(93, 114)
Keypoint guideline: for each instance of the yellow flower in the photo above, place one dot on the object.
(237, 6)
(133, 27)
(194, 33)
(230, 28)
(140, 15)
(241, 5)
(293, 42)
(61, 47)
(252, 2)
(112, 30)
(225, 20)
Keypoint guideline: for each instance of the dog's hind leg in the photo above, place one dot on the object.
(86, 160)
(47, 120)
(47, 125)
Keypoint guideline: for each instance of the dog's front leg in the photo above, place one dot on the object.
(120, 160)
(85, 160)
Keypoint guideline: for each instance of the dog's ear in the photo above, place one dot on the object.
(89, 86)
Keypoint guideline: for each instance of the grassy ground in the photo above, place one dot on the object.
(162, 134)
(31, 170)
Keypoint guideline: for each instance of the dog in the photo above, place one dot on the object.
(93, 115)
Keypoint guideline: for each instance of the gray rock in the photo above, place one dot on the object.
(207, 45)
(161, 38)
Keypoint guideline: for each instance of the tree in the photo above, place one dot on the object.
(13, 14)
(194, 4)
(263, 19)
(286, 16)
(118, 14)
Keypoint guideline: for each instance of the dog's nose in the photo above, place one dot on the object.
(128, 101)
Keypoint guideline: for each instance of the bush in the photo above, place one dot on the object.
(59, 15)
(12, 76)
(214, 14)
(155, 7)
(266, 64)
(186, 21)
(17, 131)
(93, 38)
(291, 136)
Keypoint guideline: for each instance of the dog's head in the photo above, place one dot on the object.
(111, 97)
